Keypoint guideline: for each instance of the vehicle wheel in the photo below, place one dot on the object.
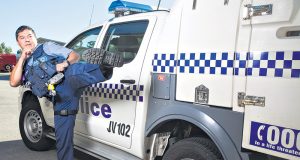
(33, 127)
(196, 148)
(8, 67)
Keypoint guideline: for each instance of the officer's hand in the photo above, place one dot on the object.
(61, 66)
(26, 53)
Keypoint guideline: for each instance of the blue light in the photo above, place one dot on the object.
(124, 6)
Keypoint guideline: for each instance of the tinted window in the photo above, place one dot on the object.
(125, 38)
(85, 40)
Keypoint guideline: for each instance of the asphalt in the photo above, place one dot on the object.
(11, 144)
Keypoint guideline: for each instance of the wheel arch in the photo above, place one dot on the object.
(202, 125)
(26, 94)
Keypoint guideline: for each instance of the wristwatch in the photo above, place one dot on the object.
(68, 63)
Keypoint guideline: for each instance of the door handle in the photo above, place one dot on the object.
(127, 81)
(243, 100)
(261, 10)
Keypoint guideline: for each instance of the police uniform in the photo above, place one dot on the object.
(76, 77)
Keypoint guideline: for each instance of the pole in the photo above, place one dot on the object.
(158, 4)
(91, 15)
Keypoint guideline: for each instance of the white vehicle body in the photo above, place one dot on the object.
(229, 70)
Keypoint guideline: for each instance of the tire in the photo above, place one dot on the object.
(33, 127)
(196, 148)
(8, 67)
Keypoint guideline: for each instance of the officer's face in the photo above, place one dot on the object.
(27, 40)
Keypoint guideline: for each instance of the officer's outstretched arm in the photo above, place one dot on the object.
(72, 58)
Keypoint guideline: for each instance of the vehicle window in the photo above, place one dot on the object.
(125, 38)
(85, 40)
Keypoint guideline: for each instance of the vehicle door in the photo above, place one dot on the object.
(206, 53)
(271, 98)
(109, 107)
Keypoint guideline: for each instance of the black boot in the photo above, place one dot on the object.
(102, 57)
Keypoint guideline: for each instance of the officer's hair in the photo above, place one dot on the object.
(22, 28)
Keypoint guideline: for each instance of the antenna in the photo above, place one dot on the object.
(91, 15)
(158, 4)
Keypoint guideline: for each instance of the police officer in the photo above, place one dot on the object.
(76, 76)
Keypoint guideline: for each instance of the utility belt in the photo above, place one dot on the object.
(65, 112)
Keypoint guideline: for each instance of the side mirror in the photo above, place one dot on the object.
(19, 51)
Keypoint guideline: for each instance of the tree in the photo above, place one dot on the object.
(4, 48)
(8, 50)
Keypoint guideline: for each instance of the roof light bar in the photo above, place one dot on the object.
(120, 8)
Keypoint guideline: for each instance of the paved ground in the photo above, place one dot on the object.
(11, 145)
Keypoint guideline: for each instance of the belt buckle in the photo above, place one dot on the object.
(64, 112)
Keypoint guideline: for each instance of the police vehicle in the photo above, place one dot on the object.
(217, 79)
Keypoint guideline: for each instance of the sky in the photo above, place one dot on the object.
(59, 20)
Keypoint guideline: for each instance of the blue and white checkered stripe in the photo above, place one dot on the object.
(265, 64)
(164, 63)
(115, 91)
(206, 63)
(268, 64)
